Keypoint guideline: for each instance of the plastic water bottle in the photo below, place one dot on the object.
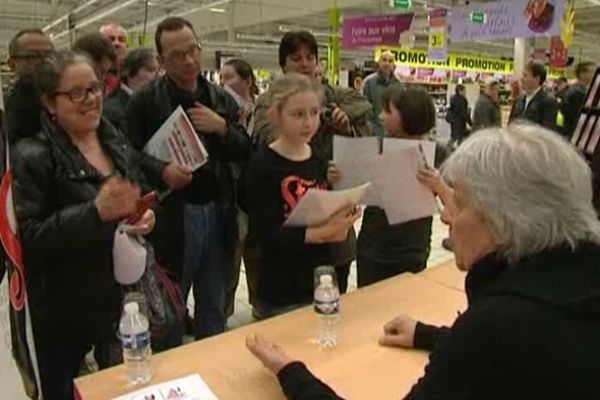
(135, 338)
(327, 307)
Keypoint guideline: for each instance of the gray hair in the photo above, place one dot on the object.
(532, 187)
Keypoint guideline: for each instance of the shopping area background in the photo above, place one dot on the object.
(476, 66)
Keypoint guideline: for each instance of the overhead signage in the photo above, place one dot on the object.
(506, 19)
(455, 61)
(438, 45)
(374, 31)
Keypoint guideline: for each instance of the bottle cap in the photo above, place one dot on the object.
(326, 279)
(132, 308)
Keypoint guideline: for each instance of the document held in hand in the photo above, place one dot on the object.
(176, 141)
(317, 206)
(393, 174)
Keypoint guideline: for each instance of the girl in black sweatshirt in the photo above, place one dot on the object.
(278, 176)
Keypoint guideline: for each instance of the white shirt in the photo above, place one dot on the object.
(531, 96)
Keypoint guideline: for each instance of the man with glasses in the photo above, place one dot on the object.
(198, 241)
(26, 50)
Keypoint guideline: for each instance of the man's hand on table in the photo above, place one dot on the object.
(399, 332)
(270, 354)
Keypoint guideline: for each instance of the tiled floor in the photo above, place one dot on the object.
(243, 312)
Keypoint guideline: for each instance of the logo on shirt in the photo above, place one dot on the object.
(293, 188)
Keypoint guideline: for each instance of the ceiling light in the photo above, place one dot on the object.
(217, 10)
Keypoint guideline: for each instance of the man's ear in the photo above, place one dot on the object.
(12, 65)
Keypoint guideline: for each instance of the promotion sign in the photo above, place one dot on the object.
(559, 54)
(374, 31)
(456, 61)
(438, 46)
(508, 19)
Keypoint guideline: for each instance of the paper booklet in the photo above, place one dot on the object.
(392, 174)
(191, 387)
(317, 206)
(176, 141)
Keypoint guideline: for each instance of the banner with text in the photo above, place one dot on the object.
(508, 19)
(438, 44)
(455, 61)
(374, 31)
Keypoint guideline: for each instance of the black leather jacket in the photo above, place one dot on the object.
(67, 248)
(147, 110)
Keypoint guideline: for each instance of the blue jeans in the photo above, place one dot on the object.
(205, 266)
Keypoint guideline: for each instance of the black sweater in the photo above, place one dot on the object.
(530, 332)
(274, 185)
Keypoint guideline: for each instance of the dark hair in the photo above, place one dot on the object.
(245, 71)
(49, 72)
(14, 45)
(415, 107)
(170, 24)
(134, 61)
(459, 88)
(96, 46)
(582, 67)
(538, 70)
(291, 42)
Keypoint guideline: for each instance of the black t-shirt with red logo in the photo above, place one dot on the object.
(274, 186)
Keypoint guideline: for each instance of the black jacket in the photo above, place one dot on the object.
(67, 248)
(486, 113)
(146, 111)
(459, 116)
(114, 107)
(23, 110)
(570, 107)
(542, 110)
(530, 332)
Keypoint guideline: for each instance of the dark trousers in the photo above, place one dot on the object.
(60, 354)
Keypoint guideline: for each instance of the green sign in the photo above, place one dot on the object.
(478, 17)
(401, 4)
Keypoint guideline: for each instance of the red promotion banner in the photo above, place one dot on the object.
(559, 54)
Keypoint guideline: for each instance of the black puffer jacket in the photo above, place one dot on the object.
(67, 248)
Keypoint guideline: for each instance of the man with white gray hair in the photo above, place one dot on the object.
(519, 206)
(118, 37)
(376, 83)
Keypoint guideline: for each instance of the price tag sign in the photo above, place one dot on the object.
(437, 39)
(438, 43)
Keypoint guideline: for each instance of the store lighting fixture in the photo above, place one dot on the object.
(217, 10)
(97, 17)
(183, 13)
(64, 17)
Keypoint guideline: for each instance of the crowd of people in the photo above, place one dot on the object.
(518, 202)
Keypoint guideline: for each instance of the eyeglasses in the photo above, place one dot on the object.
(33, 55)
(79, 95)
(180, 55)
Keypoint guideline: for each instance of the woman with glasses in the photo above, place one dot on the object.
(74, 181)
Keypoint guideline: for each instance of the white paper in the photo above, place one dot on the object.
(354, 157)
(176, 141)
(394, 185)
(404, 197)
(317, 206)
(191, 387)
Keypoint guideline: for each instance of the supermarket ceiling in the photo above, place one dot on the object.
(252, 26)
